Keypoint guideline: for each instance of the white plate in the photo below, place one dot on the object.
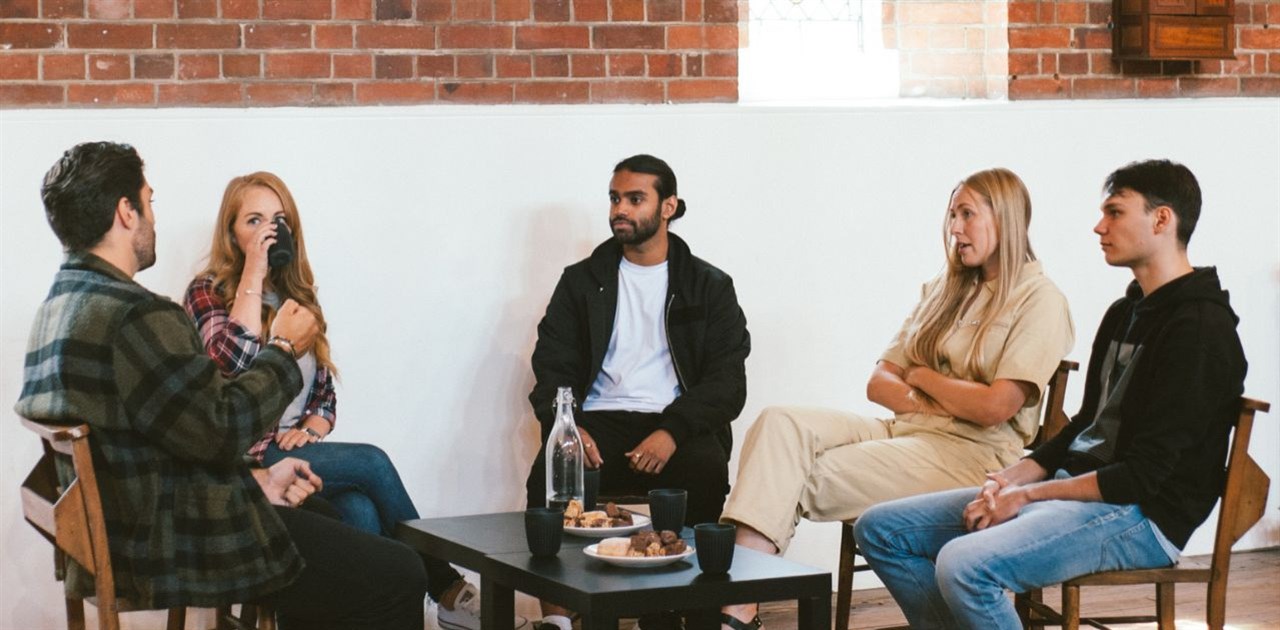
(628, 561)
(638, 522)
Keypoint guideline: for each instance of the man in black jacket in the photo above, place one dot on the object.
(653, 343)
(1125, 484)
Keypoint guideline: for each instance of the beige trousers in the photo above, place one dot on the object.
(829, 465)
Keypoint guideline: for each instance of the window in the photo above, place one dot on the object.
(815, 51)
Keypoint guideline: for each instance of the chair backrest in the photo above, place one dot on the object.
(71, 517)
(1244, 496)
(1055, 417)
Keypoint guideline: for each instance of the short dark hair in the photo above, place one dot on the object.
(666, 184)
(81, 191)
(1162, 183)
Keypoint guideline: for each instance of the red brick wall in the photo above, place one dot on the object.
(1063, 50)
(238, 53)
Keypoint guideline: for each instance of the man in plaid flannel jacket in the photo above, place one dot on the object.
(189, 522)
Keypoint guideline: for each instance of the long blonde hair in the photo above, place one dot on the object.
(294, 280)
(940, 311)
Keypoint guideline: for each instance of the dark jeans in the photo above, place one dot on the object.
(365, 487)
(700, 464)
(352, 580)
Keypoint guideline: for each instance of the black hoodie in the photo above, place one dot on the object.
(1178, 406)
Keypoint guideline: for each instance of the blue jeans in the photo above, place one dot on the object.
(362, 483)
(359, 480)
(945, 577)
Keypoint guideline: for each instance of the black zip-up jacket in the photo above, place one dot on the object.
(1177, 412)
(706, 330)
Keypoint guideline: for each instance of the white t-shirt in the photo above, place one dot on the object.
(306, 365)
(293, 413)
(637, 374)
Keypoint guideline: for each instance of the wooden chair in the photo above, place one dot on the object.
(1055, 418)
(261, 617)
(71, 519)
(1244, 498)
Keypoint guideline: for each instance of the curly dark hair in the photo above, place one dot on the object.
(81, 191)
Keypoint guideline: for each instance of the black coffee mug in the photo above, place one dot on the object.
(281, 252)
(714, 542)
(591, 488)
(666, 508)
(544, 528)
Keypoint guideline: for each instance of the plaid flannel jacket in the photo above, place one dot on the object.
(187, 523)
(233, 348)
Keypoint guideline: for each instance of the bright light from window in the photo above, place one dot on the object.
(814, 51)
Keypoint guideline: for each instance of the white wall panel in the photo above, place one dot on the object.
(437, 235)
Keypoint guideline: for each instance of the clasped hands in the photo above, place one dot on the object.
(288, 482)
(997, 501)
(650, 456)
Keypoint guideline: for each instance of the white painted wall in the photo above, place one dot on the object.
(438, 233)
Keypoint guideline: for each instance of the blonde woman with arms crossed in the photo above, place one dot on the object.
(963, 378)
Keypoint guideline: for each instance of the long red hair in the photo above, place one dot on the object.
(293, 281)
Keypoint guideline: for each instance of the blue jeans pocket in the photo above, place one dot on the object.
(1135, 547)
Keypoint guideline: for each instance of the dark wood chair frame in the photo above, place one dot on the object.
(71, 519)
(1244, 498)
(1053, 420)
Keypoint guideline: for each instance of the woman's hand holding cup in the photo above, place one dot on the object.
(256, 262)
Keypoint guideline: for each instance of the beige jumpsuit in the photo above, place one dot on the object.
(829, 465)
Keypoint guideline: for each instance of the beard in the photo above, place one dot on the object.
(636, 231)
(144, 246)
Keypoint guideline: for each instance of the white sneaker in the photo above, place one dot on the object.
(466, 612)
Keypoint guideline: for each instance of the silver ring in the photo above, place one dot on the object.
(591, 446)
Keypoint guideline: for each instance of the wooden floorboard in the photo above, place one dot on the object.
(1253, 601)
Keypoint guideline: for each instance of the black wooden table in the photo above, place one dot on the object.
(602, 593)
(466, 540)
(494, 546)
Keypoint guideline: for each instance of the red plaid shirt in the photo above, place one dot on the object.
(233, 348)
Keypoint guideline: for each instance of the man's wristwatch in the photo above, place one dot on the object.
(313, 433)
(283, 344)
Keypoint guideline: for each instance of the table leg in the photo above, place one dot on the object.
(814, 613)
(497, 605)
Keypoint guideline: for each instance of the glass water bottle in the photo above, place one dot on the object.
(565, 457)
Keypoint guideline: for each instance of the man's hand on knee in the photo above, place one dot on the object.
(651, 454)
(594, 458)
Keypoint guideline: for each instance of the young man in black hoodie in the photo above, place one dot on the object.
(1135, 472)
